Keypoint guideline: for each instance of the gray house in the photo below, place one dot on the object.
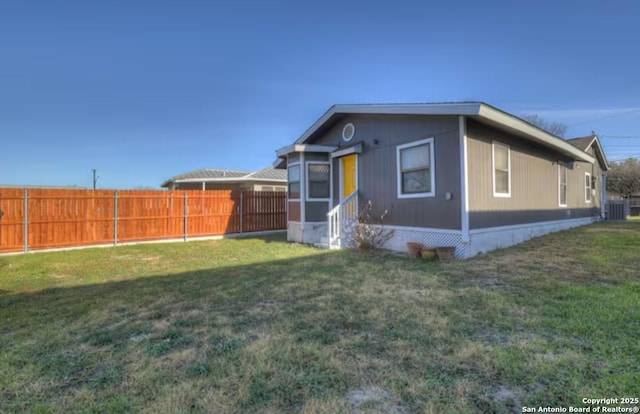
(452, 174)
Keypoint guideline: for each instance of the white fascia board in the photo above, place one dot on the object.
(282, 152)
(227, 180)
(533, 133)
(602, 154)
(357, 149)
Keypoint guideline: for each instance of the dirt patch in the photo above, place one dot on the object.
(612, 230)
(374, 400)
(140, 338)
(488, 283)
(511, 398)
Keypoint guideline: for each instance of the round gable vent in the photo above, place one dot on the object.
(348, 131)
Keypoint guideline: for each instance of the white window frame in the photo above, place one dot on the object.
(432, 168)
(562, 167)
(495, 144)
(299, 164)
(308, 187)
(587, 188)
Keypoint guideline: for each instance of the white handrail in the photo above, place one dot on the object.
(339, 216)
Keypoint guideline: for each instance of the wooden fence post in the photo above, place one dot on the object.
(186, 215)
(241, 209)
(26, 220)
(115, 219)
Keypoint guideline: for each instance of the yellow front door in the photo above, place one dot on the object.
(348, 175)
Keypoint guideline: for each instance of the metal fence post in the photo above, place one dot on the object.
(241, 208)
(115, 220)
(26, 220)
(186, 215)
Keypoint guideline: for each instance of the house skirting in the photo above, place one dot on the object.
(485, 240)
(427, 236)
(310, 233)
(480, 240)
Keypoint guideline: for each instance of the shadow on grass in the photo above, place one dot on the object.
(178, 328)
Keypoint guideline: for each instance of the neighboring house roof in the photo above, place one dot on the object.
(586, 143)
(269, 173)
(583, 143)
(476, 110)
(209, 175)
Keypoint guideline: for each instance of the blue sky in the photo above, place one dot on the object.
(143, 90)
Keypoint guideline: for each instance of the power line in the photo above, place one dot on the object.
(606, 117)
(625, 158)
(620, 136)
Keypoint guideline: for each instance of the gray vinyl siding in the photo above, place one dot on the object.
(315, 156)
(316, 211)
(534, 183)
(293, 158)
(377, 170)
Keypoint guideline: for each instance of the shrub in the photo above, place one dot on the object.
(368, 231)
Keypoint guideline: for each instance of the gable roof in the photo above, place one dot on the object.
(229, 176)
(477, 110)
(586, 143)
(269, 173)
(583, 142)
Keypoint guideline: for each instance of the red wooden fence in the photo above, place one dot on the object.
(64, 218)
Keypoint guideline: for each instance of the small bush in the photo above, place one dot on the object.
(368, 232)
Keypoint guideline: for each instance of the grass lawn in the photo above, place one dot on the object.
(260, 325)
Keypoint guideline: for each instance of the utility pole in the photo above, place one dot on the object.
(95, 178)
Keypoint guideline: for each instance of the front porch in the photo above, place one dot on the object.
(323, 193)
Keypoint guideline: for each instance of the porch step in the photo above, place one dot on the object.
(324, 243)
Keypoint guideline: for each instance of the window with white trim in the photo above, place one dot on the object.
(501, 170)
(293, 177)
(317, 180)
(587, 187)
(562, 185)
(416, 174)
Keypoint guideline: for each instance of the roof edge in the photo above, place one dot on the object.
(480, 110)
(535, 133)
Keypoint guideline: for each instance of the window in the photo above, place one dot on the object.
(318, 180)
(501, 170)
(587, 187)
(265, 188)
(562, 185)
(293, 174)
(416, 176)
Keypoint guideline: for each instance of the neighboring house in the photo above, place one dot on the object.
(453, 174)
(267, 179)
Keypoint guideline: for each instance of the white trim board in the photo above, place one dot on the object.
(527, 225)
(427, 229)
(307, 196)
(304, 148)
(430, 142)
(464, 178)
(356, 149)
(495, 144)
